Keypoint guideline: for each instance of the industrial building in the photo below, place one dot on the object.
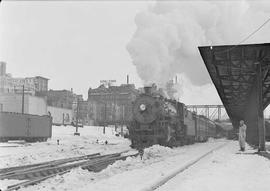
(62, 105)
(30, 85)
(112, 104)
(19, 103)
(35, 105)
(62, 98)
(60, 116)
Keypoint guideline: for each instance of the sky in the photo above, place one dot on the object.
(77, 44)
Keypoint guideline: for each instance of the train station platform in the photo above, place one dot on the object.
(266, 154)
(241, 75)
(225, 169)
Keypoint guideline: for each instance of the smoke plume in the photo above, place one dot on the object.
(168, 35)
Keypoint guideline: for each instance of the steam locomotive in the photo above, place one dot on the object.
(158, 120)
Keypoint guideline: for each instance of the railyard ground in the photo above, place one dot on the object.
(224, 169)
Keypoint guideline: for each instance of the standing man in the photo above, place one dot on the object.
(242, 135)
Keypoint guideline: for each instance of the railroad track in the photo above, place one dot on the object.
(54, 162)
(36, 173)
(170, 176)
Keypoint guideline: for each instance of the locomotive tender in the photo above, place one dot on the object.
(157, 120)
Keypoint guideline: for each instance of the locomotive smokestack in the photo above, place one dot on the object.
(147, 89)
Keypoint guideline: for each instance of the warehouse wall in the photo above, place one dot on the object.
(60, 115)
(36, 105)
(32, 104)
(11, 102)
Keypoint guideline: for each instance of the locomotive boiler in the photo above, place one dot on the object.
(156, 120)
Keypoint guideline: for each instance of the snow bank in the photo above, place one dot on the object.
(157, 161)
(131, 174)
(151, 155)
(21, 153)
(17, 153)
(225, 169)
(156, 151)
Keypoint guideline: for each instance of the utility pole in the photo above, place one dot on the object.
(23, 99)
(219, 113)
(261, 125)
(123, 119)
(105, 117)
(114, 112)
(77, 117)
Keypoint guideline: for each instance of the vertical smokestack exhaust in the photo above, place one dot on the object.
(147, 90)
(127, 79)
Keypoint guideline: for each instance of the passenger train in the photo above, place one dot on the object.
(158, 120)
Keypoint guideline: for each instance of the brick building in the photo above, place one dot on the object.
(62, 98)
(41, 84)
(32, 85)
(111, 105)
(63, 105)
(85, 112)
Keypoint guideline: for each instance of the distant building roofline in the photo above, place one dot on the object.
(42, 77)
(64, 90)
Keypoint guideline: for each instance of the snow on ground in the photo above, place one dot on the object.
(130, 174)
(267, 146)
(226, 169)
(21, 153)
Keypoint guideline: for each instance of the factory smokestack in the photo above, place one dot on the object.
(127, 79)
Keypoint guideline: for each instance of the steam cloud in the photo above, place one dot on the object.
(169, 33)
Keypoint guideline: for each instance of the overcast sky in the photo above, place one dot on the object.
(77, 44)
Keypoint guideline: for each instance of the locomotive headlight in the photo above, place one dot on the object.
(142, 107)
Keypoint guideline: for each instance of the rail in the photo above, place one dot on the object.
(165, 179)
(36, 173)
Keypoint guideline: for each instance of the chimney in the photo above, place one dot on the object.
(147, 90)
(176, 79)
(2, 68)
(127, 79)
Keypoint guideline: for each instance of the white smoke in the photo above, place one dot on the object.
(169, 33)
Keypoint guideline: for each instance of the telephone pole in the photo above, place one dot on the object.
(105, 117)
(23, 99)
(77, 118)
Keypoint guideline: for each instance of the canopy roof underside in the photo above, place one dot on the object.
(233, 71)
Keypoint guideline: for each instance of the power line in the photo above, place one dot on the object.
(254, 31)
(251, 34)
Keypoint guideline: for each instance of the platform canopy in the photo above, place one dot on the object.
(234, 71)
